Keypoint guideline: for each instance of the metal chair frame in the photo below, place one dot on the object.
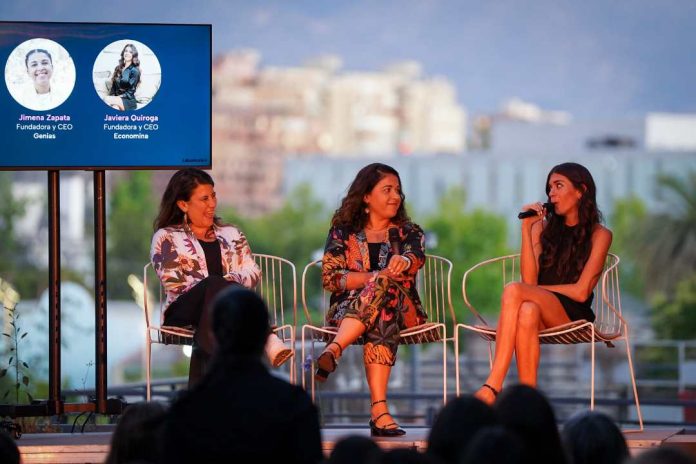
(434, 288)
(609, 326)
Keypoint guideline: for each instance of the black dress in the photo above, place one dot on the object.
(125, 87)
(574, 309)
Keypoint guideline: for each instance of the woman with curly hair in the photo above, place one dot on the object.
(125, 80)
(561, 259)
(372, 255)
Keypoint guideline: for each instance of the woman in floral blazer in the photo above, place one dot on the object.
(372, 255)
(196, 256)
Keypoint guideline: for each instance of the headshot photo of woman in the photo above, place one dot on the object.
(133, 81)
(373, 289)
(40, 75)
(562, 255)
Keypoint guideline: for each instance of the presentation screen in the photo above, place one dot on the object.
(105, 96)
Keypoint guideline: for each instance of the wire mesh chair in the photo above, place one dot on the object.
(609, 325)
(154, 331)
(433, 283)
(278, 287)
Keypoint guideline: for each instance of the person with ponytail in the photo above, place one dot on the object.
(561, 259)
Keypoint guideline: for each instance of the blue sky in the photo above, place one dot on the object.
(593, 58)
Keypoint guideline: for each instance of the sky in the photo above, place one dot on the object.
(593, 58)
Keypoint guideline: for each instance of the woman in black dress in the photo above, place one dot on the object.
(125, 80)
(562, 257)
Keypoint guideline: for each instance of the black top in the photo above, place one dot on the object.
(374, 249)
(127, 83)
(213, 257)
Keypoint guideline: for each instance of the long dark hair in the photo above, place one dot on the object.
(564, 249)
(352, 213)
(180, 187)
(118, 70)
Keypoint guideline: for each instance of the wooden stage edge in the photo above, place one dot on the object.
(93, 447)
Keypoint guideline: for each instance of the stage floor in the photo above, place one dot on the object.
(93, 447)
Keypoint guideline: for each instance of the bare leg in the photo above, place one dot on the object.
(377, 380)
(114, 102)
(349, 331)
(527, 346)
(551, 314)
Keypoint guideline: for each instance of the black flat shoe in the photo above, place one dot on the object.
(384, 431)
(326, 363)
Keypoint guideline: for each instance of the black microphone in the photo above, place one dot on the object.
(532, 212)
(394, 241)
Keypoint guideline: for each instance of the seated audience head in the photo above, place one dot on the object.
(493, 445)
(663, 455)
(138, 433)
(407, 456)
(355, 449)
(593, 438)
(9, 453)
(456, 424)
(526, 411)
(240, 321)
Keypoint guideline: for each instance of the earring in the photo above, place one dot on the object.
(367, 210)
(185, 218)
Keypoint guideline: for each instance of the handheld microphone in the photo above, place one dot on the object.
(532, 212)
(394, 241)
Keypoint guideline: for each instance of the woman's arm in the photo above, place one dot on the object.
(530, 246)
(243, 269)
(177, 273)
(336, 277)
(413, 248)
(580, 291)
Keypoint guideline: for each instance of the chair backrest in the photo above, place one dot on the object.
(505, 269)
(434, 288)
(278, 287)
(152, 303)
(433, 283)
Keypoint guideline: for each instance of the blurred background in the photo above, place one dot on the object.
(472, 102)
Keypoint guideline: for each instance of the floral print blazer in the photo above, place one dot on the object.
(347, 251)
(179, 260)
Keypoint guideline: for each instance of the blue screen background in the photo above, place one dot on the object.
(182, 102)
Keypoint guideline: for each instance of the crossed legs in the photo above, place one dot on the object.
(525, 310)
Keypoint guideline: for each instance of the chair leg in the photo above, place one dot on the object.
(444, 371)
(456, 361)
(633, 383)
(148, 360)
(592, 373)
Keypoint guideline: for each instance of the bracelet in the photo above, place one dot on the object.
(408, 260)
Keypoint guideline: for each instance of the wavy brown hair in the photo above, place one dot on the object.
(118, 70)
(567, 249)
(352, 213)
(180, 187)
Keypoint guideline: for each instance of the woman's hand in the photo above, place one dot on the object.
(540, 213)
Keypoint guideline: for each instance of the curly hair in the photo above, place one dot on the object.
(567, 249)
(180, 187)
(352, 213)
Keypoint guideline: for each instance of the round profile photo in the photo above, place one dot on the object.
(126, 75)
(40, 74)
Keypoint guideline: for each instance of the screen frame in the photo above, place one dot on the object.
(160, 167)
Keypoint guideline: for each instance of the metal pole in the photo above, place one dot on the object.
(100, 289)
(54, 368)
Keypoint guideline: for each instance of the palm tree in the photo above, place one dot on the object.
(666, 241)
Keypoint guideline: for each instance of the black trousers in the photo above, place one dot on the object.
(193, 309)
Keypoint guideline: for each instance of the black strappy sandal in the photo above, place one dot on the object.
(326, 362)
(384, 431)
(495, 392)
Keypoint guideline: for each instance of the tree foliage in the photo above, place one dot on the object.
(132, 208)
(466, 238)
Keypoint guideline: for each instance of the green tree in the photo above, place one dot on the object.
(466, 238)
(132, 210)
(674, 315)
(15, 263)
(628, 215)
(666, 240)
